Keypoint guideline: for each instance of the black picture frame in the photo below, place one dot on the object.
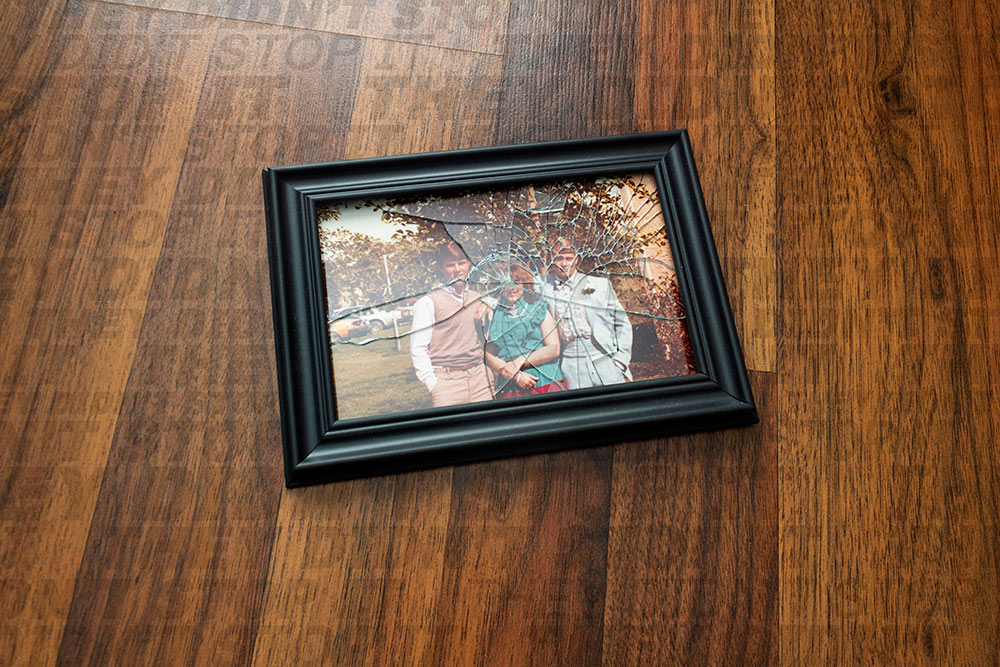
(319, 448)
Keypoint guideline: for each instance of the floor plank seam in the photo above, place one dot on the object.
(295, 27)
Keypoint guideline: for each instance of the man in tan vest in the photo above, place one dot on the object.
(446, 343)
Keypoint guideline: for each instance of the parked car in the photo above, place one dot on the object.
(344, 327)
(380, 319)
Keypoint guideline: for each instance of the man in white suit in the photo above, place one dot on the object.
(594, 329)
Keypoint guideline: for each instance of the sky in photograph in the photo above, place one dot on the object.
(365, 221)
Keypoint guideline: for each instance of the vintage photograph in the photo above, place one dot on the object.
(490, 295)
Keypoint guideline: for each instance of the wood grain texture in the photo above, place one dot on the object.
(466, 25)
(81, 228)
(692, 571)
(568, 71)
(524, 568)
(957, 597)
(177, 557)
(849, 199)
(414, 99)
(848, 154)
(887, 451)
(356, 571)
(709, 68)
(203, 7)
(29, 32)
(374, 550)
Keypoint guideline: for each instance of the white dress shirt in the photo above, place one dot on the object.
(420, 335)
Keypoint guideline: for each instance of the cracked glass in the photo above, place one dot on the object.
(490, 295)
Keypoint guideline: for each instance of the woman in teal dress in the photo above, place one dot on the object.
(523, 341)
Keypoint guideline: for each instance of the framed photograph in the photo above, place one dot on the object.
(448, 307)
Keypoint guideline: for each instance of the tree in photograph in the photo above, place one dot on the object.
(356, 266)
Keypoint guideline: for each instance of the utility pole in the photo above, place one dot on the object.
(388, 293)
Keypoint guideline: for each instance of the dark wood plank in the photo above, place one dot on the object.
(524, 568)
(848, 204)
(568, 72)
(30, 30)
(355, 572)
(176, 562)
(98, 129)
(888, 470)
(413, 99)
(366, 557)
(693, 547)
(709, 68)
(952, 500)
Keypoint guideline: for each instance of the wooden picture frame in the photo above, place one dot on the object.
(319, 447)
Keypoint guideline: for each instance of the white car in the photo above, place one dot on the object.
(377, 320)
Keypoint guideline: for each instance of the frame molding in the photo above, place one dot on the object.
(320, 448)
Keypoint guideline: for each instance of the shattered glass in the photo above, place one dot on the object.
(576, 276)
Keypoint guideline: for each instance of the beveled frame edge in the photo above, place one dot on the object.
(317, 449)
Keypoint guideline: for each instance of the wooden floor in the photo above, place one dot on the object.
(850, 158)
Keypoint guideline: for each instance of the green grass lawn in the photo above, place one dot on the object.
(375, 379)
